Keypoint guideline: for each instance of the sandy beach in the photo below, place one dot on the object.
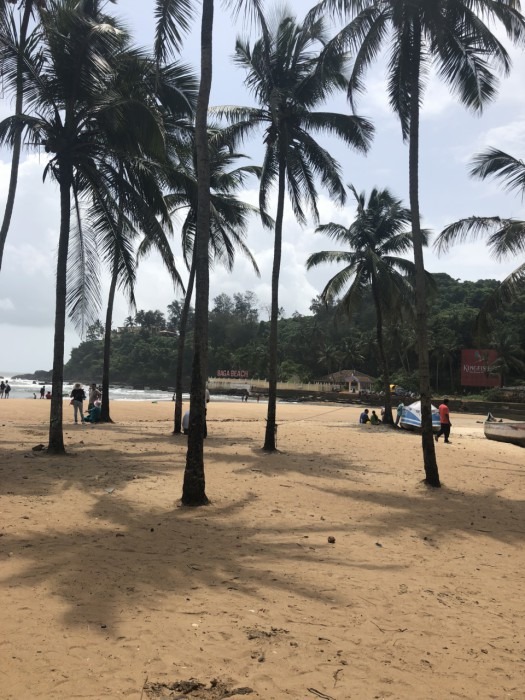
(110, 589)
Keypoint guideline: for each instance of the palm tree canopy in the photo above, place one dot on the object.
(288, 83)
(456, 39)
(505, 237)
(372, 243)
(90, 103)
(173, 21)
(229, 216)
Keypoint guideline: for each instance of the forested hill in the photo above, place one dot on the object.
(144, 350)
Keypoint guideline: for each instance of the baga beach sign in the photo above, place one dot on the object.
(233, 374)
(476, 368)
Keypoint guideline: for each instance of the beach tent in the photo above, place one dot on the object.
(411, 417)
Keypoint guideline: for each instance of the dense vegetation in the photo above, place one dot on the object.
(311, 346)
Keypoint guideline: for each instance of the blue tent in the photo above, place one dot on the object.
(411, 418)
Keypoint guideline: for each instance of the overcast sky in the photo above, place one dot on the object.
(450, 136)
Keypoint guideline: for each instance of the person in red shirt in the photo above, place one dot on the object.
(444, 419)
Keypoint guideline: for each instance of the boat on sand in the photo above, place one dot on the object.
(513, 432)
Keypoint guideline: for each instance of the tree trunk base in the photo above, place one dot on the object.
(56, 451)
(433, 483)
(269, 448)
(196, 504)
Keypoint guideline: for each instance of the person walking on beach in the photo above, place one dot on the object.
(2, 389)
(42, 391)
(78, 396)
(7, 390)
(444, 419)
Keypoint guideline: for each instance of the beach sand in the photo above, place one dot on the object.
(110, 589)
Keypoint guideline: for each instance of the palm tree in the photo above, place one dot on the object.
(455, 37)
(16, 44)
(171, 89)
(511, 356)
(84, 125)
(289, 84)
(228, 224)
(168, 13)
(372, 245)
(506, 237)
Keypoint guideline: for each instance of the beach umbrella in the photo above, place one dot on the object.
(411, 417)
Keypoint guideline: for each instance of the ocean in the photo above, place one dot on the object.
(25, 388)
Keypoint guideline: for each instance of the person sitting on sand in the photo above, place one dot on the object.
(364, 417)
(48, 395)
(374, 419)
(93, 413)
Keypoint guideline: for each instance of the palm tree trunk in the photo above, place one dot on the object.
(193, 489)
(17, 144)
(56, 434)
(104, 412)
(177, 426)
(427, 438)
(387, 418)
(271, 426)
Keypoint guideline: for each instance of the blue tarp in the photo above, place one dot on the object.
(411, 417)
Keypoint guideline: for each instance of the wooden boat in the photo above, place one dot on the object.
(513, 432)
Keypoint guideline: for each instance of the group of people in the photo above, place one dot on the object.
(94, 410)
(5, 389)
(444, 419)
(373, 419)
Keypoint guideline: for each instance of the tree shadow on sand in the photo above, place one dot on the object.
(131, 560)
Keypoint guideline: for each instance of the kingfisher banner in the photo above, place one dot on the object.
(476, 368)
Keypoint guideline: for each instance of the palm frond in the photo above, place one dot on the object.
(502, 166)
(173, 19)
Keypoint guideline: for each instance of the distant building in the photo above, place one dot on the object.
(351, 380)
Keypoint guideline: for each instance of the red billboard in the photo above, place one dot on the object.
(476, 368)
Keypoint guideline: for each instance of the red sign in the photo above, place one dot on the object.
(476, 368)
(233, 373)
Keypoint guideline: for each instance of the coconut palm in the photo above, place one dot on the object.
(84, 125)
(228, 224)
(168, 13)
(455, 37)
(170, 89)
(506, 237)
(289, 84)
(15, 40)
(372, 244)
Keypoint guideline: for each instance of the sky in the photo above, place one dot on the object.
(450, 136)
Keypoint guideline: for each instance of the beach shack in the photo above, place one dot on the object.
(351, 380)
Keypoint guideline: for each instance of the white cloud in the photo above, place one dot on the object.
(6, 305)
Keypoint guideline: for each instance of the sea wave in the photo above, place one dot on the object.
(29, 389)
